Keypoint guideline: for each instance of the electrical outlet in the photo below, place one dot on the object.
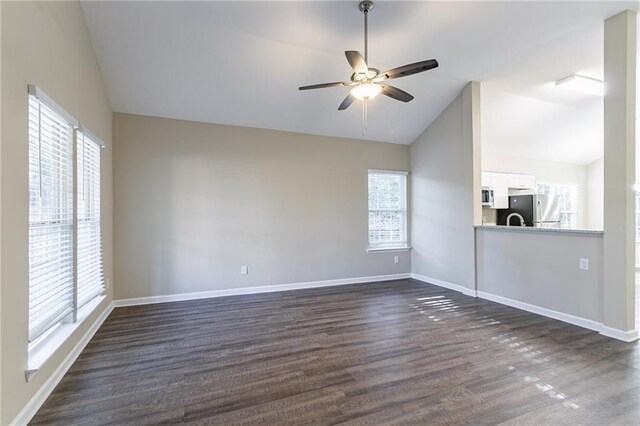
(244, 270)
(396, 259)
(584, 264)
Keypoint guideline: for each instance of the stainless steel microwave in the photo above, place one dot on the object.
(487, 197)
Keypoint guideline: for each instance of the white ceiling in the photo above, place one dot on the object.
(522, 126)
(241, 63)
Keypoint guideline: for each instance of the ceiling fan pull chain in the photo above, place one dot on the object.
(364, 116)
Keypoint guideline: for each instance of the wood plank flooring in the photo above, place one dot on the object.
(397, 353)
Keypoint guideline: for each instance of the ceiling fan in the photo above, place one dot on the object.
(367, 82)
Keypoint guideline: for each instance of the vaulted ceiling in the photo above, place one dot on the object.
(241, 63)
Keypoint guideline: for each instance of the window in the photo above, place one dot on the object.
(65, 253)
(387, 210)
(90, 269)
(568, 195)
(50, 218)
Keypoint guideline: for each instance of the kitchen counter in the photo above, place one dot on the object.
(534, 229)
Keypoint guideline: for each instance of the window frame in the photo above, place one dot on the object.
(41, 346)
(402, 245)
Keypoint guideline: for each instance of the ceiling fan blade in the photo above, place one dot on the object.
(409, 69)
(347, 102)
(356, 61)
(322, 85)
(395, 93)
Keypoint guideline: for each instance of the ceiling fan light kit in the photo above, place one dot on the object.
(367, 82)
(367, 91)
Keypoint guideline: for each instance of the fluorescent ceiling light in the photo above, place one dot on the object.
(582, 84)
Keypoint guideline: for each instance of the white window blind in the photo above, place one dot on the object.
(51, 268)
(90, 275)
(65, 233)
(387, 209)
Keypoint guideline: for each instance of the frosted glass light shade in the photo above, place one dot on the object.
(366, 91)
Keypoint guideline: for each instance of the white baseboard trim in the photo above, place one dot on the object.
(255, 290)
(625, 336)
(31, 408)
(451, 286)
(561, 316)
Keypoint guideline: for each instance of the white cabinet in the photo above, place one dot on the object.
(501, 183)
(486, 179)
(529, 181)
(500, 186)
(516, 181)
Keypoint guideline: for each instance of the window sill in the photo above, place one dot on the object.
(39, 354)
(387, 250)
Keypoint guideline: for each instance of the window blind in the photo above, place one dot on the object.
(65, 233)
(90, 272)
(387, 209)
(51, 267)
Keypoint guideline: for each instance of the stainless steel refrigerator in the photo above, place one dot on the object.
(542, 211)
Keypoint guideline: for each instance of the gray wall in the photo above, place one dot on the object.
(541, 269)
(46, 44)
(195, 201)
(443, 176)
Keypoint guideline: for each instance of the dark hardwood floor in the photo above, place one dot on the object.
(398, 352)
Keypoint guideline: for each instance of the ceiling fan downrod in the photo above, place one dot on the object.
(365, 7)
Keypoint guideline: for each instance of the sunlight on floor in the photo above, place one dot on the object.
(437, 307)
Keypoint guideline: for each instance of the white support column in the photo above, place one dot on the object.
(618, 305)
(1, 346)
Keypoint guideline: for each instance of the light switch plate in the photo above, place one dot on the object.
(584, 264)
(244, 270)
